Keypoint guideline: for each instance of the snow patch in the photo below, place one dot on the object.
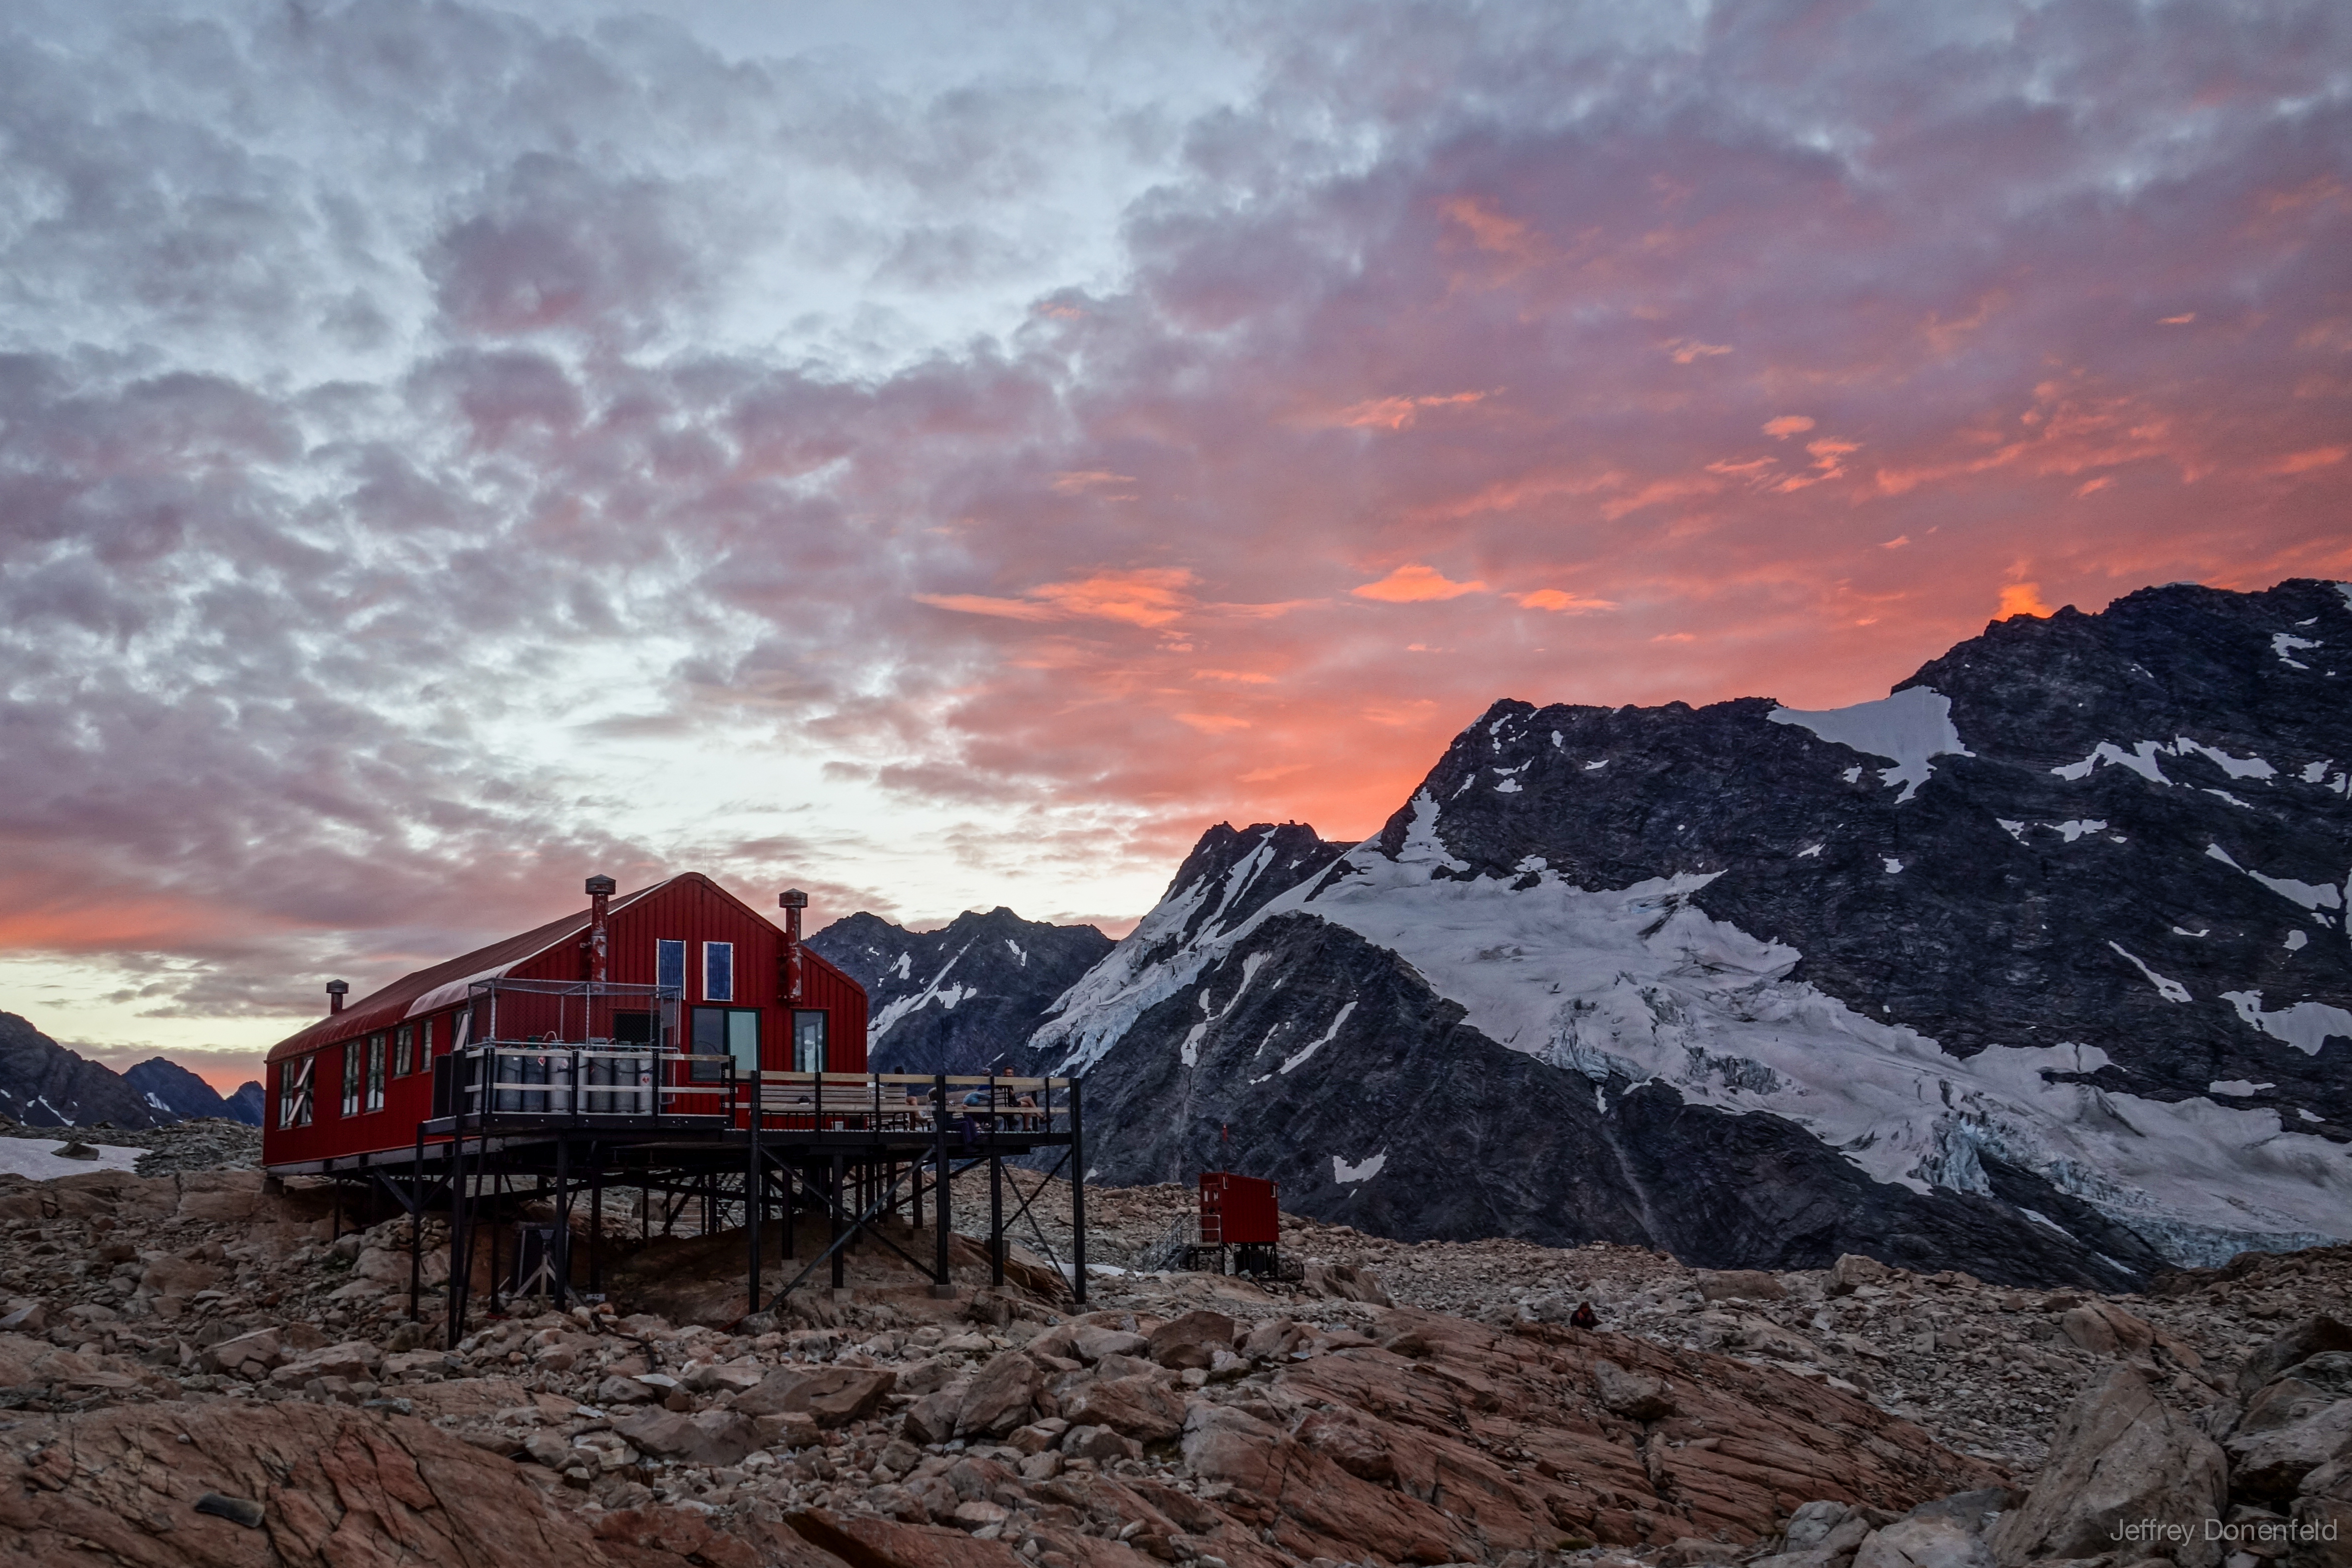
(1892, 864)
(1809, 851)
(2310, 895)
(2170, 990)
(2313, 773)
(2305, 1025)
(1911, 728)
(38, 1158)
(2239, 1087)
(2140, 759)
(2286, 645)
(2297, 940)
(1299, 1058)
(2236, 767)
(1344, 1174)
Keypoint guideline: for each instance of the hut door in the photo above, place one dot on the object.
(808, 1042)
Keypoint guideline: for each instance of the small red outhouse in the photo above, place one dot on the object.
(1238, 1211)
(683, 966)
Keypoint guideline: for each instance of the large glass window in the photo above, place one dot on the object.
(294, 1092)
(404, 1050)
(376, 1072)
(354, 1055)
(718, 971)
(808, 1042)
(670, 965)
(728, 1032)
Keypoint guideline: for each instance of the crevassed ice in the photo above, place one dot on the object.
(1911, 728)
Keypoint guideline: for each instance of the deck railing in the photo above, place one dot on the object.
(605, 1081)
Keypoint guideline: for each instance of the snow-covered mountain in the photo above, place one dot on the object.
(961, 998)
(2037, 967)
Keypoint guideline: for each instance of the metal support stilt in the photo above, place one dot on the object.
(1078, 1197)
(838, 1250)
(942, 1282)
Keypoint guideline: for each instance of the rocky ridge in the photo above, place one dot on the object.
(964, 997)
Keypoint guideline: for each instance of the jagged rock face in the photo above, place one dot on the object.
(962, 998)
(245, 1104)
(2056, 929)
(2027, 853)
(174, 1094)
(46, 1085)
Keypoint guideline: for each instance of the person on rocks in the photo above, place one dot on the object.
(1584, 1317)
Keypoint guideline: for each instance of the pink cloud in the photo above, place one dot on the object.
(1413, 584)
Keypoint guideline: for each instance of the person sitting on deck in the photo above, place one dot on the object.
(1029, 1119)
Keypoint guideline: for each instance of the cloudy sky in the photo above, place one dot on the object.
(947, 455)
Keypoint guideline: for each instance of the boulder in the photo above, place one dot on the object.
(351, 1360)
(1092, 1341)
(1933, 1542)
(1811, 1522)
(1732, 1284)
(1142, 1408)
(2104, 1328)
(2322, 1518)
(828, 1395)
(2118, 1459)
(1852, 1271)
(261, 1350)
(179, 1276)
(1002, 1395)
(1099, 1444)
(1190, 1340)
(1633, 1395)
(932, 1418)
(227, 1197)
(2270, 1466)
(707, 1438)
(2313, 1336)
(1339, 1281)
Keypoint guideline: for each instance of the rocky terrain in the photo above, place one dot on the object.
(964, 997)
(195, 1367)
(2036, 968)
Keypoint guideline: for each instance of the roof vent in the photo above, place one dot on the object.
(604, 885)
(336, 991)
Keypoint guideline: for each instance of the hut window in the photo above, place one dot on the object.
(376, 1072)
(294, 1092)
(353, 1051)
(425, 1043)
(808, 1042)
(404, 1050)
(670, 965)
(718, 971)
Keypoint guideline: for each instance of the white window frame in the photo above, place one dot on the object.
(355, 1069)
(294, 1091)
(375, 1063)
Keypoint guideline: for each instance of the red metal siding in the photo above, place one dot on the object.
(1239, 1211)
(688, 908)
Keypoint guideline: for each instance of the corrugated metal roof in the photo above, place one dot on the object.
(399, 1000)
